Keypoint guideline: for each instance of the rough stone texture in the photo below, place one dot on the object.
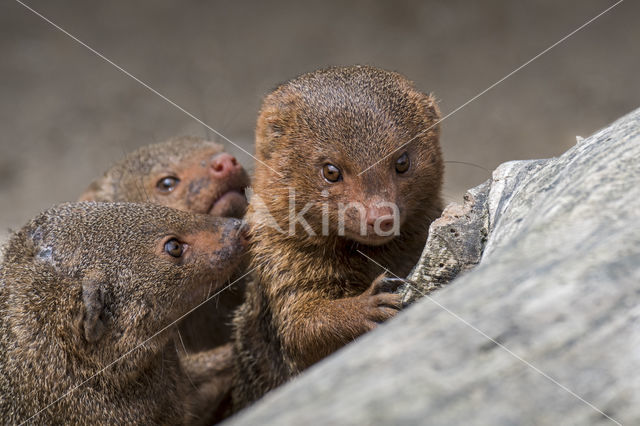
(455, 244)
(549, 316)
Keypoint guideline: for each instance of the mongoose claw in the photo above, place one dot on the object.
(384, 284)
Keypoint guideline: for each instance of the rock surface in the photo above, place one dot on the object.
(545, 330)
(455, 244)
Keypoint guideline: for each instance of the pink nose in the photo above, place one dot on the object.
(223, 165)
(383, 215)
(386, 224)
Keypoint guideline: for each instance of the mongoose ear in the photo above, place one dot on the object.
(93, 302)
(430, 107)
(97, 191)
(270, 128)
(276, 116)
(428, 115)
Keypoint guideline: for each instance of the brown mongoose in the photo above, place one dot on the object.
(192, 174)
(318, 134)
(186, 173)
(85, 284)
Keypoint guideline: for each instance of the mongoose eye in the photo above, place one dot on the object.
(402, 163)
(173, 248)
(167, 184)
(331, 173)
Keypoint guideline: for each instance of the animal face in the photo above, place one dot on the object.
(112, 274)
(358, 147)
(188, 174)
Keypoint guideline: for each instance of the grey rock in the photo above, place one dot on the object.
(455, 244)
(544, 330)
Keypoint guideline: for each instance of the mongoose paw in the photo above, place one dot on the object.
(384, 284)
(380, 301)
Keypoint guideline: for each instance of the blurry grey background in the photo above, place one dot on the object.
(65, 114)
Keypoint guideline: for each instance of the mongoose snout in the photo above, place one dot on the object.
(230, 199)
(228, 243)
(224, 165)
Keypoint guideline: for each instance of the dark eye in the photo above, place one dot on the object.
(173, 248)
(402, 163)
(331, 173)
(167, 184)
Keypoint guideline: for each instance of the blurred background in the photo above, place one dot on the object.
(66, 114)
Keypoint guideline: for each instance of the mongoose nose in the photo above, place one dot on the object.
(384, 218)
(238, 227)
(386, 224)
(223, 165)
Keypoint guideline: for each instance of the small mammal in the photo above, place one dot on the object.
(318, 134)
(84, 284)
(186, 173)
(191, 174)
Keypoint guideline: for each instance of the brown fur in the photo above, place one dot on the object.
(200, 190)
(84, 284)
(211, 376)
(135, 179)
(314, 294)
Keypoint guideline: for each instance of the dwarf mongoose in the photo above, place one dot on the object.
(316, 137)
(192, 174)
(186, 173)
(85, 284)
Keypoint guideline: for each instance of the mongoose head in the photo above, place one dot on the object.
(358, 145)
(95, 280)
(186, 173)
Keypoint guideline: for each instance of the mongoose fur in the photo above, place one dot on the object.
(84, 284)
(317, 135)
(187, 173)
(191, 174)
